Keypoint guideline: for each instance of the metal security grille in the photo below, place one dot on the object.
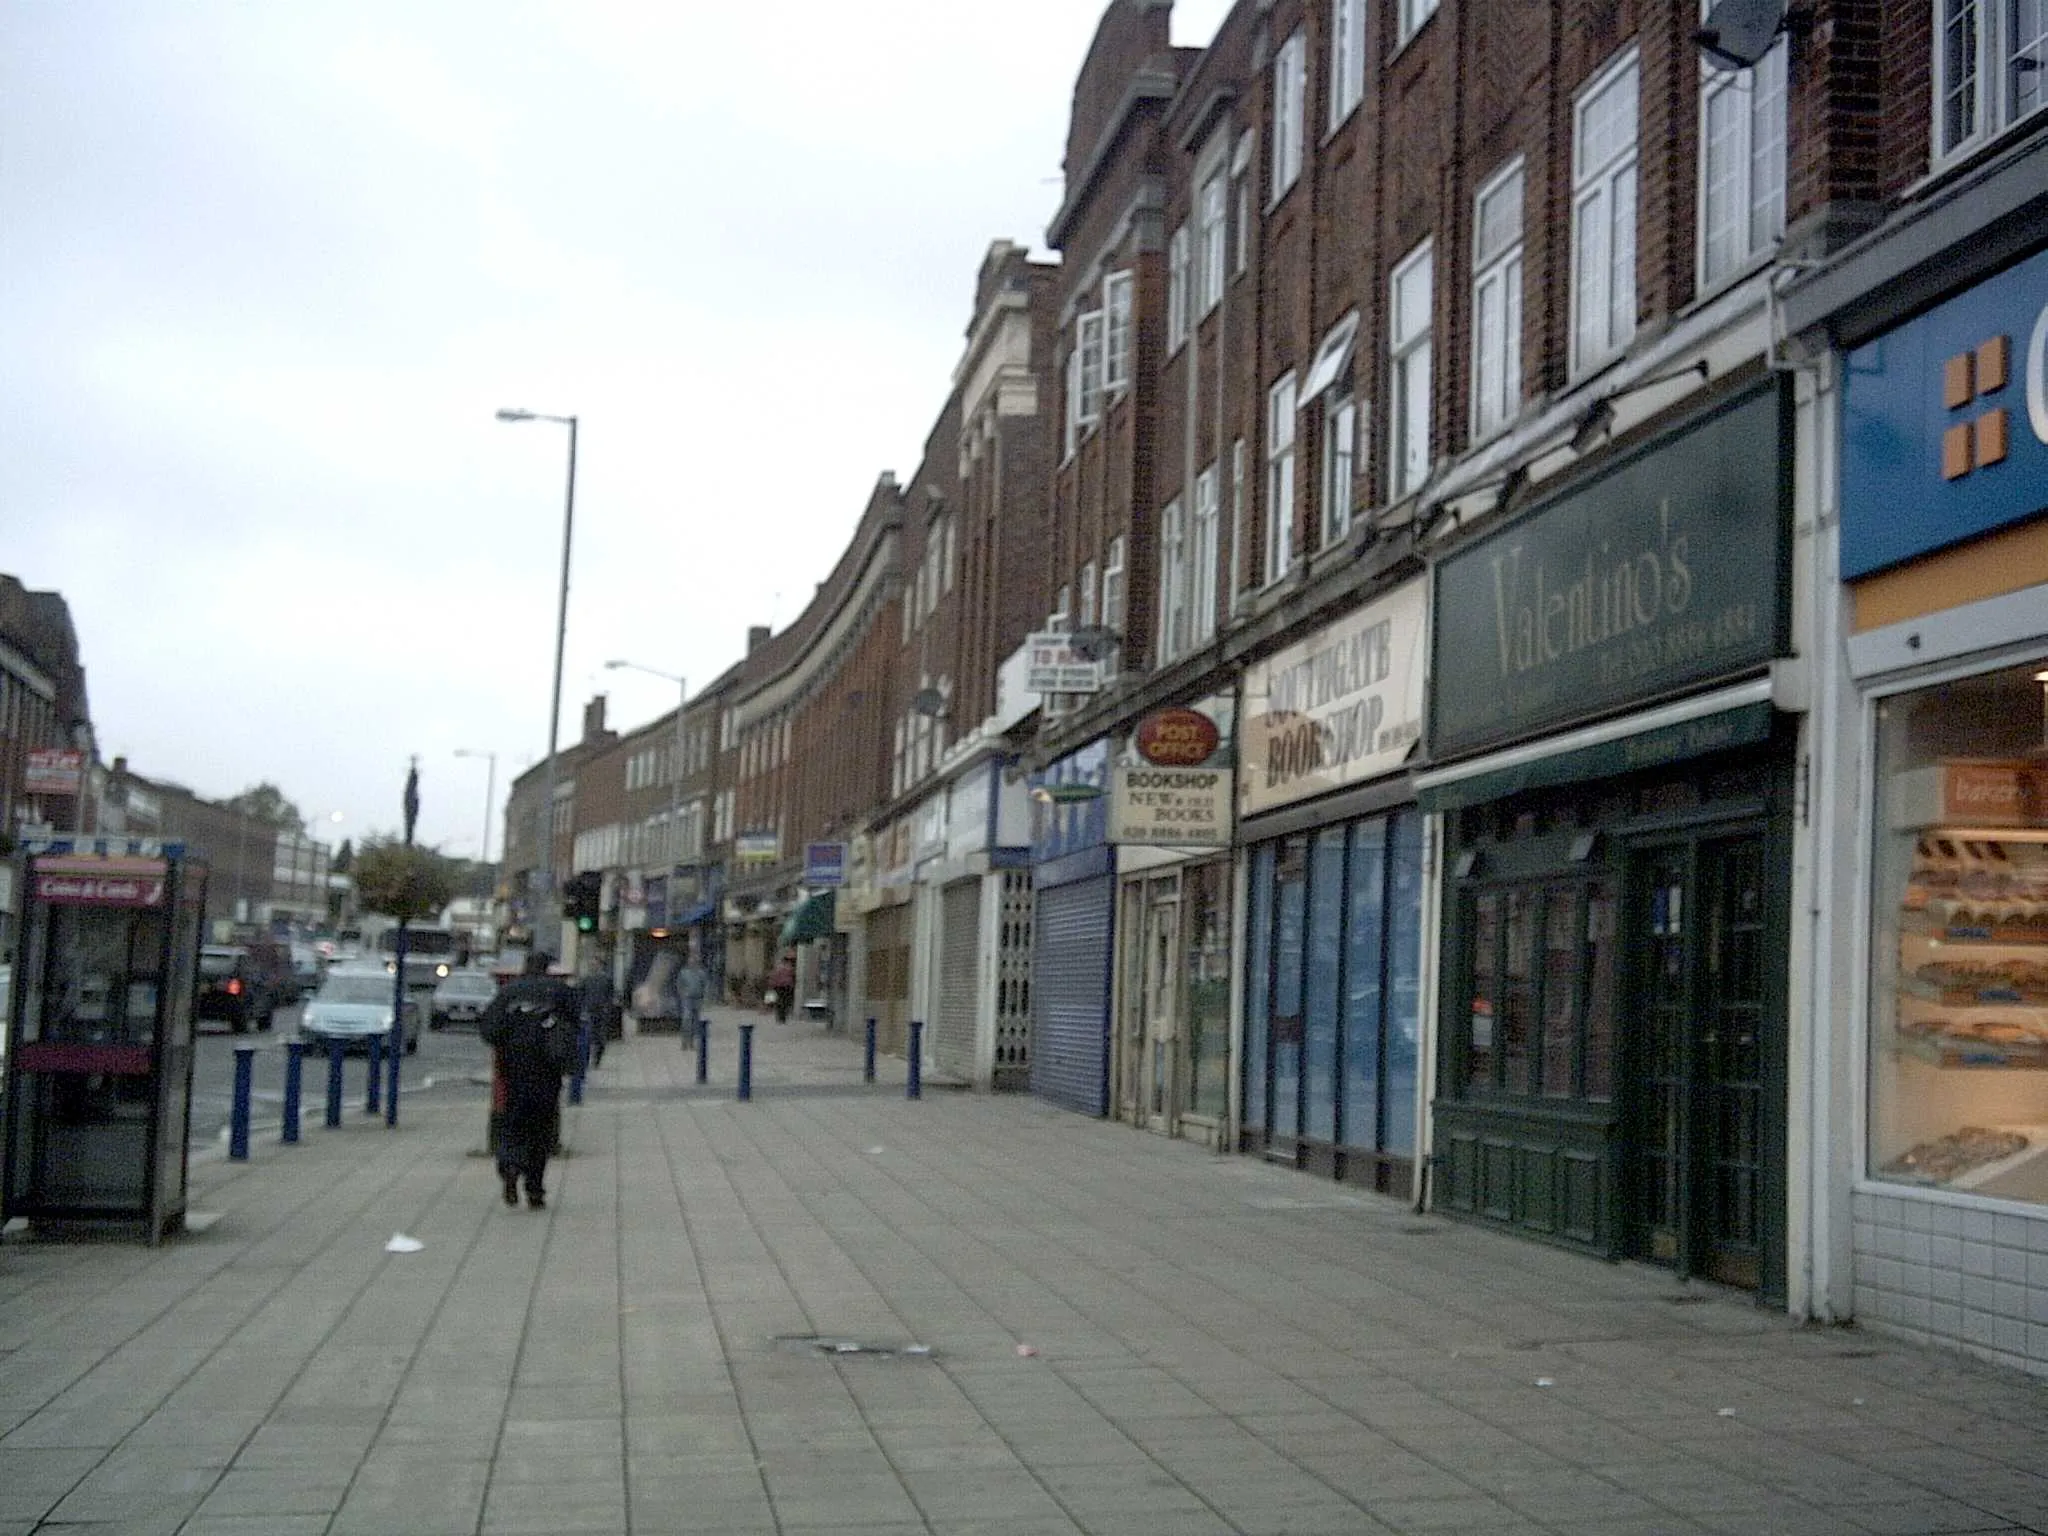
(959, 965)
(1070, 996)
(1013, 982)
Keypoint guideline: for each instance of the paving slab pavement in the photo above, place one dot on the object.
(705, 1333)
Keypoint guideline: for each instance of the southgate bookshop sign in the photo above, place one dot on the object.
(1337, 709)
(1664, 573)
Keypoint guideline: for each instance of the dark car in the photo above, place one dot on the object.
(236, 987)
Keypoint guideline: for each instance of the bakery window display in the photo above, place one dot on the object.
(1959, 1059)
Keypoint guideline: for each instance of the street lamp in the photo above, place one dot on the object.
(548, 909)
(490, 792)
(675, 776)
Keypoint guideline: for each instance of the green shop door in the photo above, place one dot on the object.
(1704, 1140)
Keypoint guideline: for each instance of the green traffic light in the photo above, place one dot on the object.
(586, 924)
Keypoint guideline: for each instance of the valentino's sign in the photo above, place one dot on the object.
(1336, 709)
(1663, 573)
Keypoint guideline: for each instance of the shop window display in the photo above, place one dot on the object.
(1333, 984)
(1959, 985)
(1541, 980)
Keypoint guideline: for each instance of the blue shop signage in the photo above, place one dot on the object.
(1945, 423)
(1070, 805)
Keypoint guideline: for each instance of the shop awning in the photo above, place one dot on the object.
(1732, 717)
(812, 920)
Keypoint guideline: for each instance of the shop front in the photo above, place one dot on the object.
(1170, 821)
(1335, 896)
(1074, 885)
(1616, 793)
(976, 885)
(1944, 553)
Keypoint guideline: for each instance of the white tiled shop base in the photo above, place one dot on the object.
(1946, 1274)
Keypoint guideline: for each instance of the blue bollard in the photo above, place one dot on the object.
(394, 1054)
(746, 1062)
(373, 1097)
(238, 1113)
(294, 1072)
(868, 1069)
(913, 1085)
(335, 1061)
(703, 1049)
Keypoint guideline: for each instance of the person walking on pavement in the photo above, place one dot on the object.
(782, 983)
(597, 1000)
(530, 1027)
(691, 984)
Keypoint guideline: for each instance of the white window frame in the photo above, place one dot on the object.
(1604, 194)
(1088, 340)
(1072, 438)
(1211, 222)
(1113, 586)
(1347, 59)
(1087, 593)
(1409, 17)
(1116, 348)
(1497, 289)
(1751, 164)
(1289, 78)
(1173, 576)
(1340, 466)
(1202, 560)
(1238, 506)
(1409, 359)
(1241, 204)
(1988, 48)
(1177, 287)
(1280, 477)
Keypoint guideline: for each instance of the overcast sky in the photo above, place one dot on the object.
(266, 271)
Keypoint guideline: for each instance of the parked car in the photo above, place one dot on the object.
(352, 1006)
(236, 987)
(308, 966)
(461, 997)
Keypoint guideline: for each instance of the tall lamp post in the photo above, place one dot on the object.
(675, 776)
(548, 908)
(490, 794)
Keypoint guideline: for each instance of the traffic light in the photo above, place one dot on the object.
(581, 898)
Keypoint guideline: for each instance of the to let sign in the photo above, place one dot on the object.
(1054, 665)
(1174, 807)
(52, 771)
(1663, 573)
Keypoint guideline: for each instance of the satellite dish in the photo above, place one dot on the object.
(1738, 33)
(929, 701)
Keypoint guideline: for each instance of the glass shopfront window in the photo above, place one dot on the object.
(1206, 894)
(1291, 904)
(1959, 953)
(1258, 987)
(1334, 958)
(1539, 972)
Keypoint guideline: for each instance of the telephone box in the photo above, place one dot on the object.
(99, 1058)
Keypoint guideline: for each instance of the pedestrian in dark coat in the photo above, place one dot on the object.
(530, 1027)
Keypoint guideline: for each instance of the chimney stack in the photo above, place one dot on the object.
(757, 636)
(593, 718)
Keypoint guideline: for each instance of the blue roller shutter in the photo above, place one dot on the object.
(1070, 995)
